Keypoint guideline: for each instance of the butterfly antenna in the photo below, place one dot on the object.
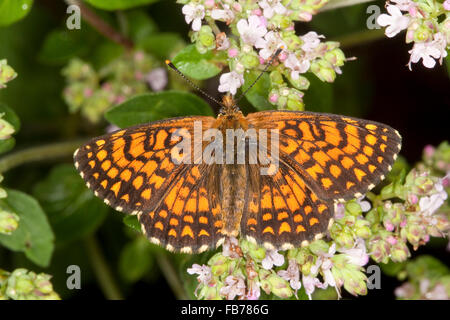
(272, 59)
(172, 66)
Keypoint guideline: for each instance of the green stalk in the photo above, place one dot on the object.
(102, 271)
(166, 267)
(45, 152)
(335, 4)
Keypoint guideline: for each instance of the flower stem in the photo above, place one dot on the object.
(101, 26)
(360, 38)
(335, 4)
(50, 151)
(102, 271)
(171, 276)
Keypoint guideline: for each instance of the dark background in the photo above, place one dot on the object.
(377, 86)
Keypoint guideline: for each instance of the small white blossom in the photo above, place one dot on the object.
(324, 264)
(229, 248)
(271, 43)
(272, 258)
(203, 271)
(429, 205)
(425, 51)
(296, 65)
(225, 14)
(365, 205)
(230, 82)
(222, 41)
(234, 286)
(358, 254)
(157, 79)
(253, 290)
(292, 275)
(270, 7)
(403, 5)
(194, 14)
(252, 30)
(311, 41)
(395, 21)
(438, 293)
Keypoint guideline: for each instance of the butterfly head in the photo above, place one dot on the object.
(229, 106)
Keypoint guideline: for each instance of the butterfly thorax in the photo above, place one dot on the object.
(233, 177)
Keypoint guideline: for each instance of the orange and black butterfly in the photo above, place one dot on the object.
(192, 207)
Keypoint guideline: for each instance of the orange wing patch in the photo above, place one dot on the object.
(337, 157)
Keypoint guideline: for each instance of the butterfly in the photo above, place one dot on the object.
(192, 206)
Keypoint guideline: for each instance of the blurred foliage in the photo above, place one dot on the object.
(57, 213)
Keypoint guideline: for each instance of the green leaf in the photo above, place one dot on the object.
(118, 4)
(72, 209)
(10, 116)
(34, 235)
(258, 95)
(155, 106)
(132, 222)
(319, 96)
(135, 260)
(140, 25)
(61, 45)
(161, 44)
(196, 65)
(426, 266)
(13, 10)
(105, 52)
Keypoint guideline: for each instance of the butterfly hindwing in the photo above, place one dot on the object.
(282, 212)
(187, 219)
(338, 157)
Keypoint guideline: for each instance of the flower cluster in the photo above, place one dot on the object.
(428, 26)
(6, 128)
(6, 73)
(92, 92)
(9, 221)
(258, 28)
(406, 212)
(427, 279)
(22, 284)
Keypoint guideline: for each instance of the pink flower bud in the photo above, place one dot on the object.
(413, 11)
(209, 3)
(413, 199)
(232, 53)
(106, 86)
(282, 56)
(305, 16)
(447, 5)
(257, 12)
(403, 223)
(389, 226)
(119, 99)
(88, 92)
(391, 240)
(237, 7)
(263, 21)
(273, 98)
(138, 75)
(139, 56)
(261, 60)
